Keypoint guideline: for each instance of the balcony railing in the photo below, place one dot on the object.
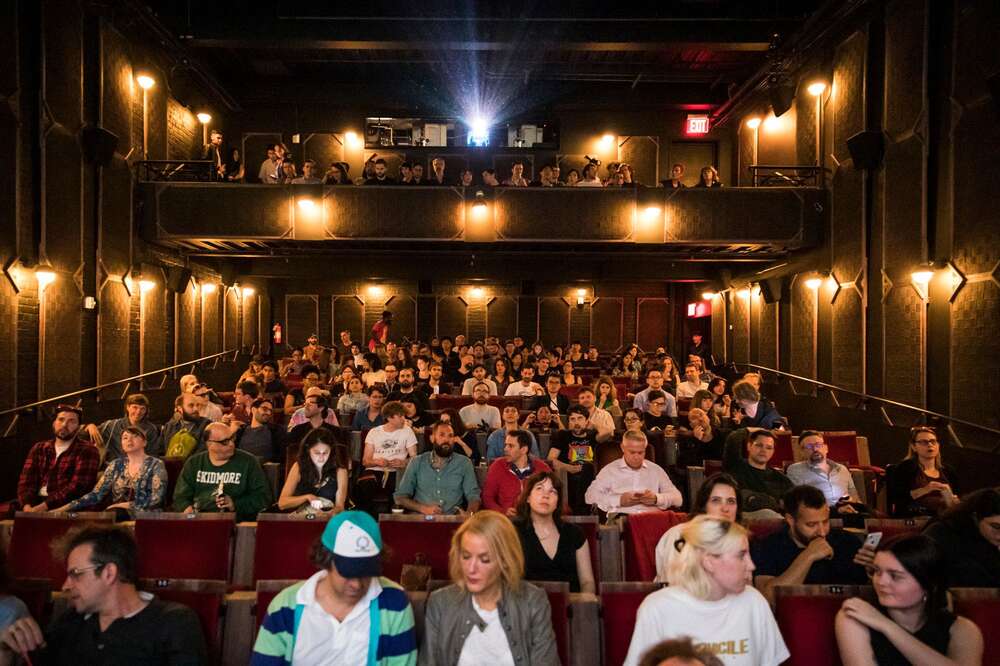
(778, 175)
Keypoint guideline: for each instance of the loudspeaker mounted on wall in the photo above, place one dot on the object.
(178, 278)
(771, 290)
(781, 97)
(228, 275)
(98, 145)
(866, 149)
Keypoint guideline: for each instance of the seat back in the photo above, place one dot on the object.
(784, 450)
(892, 527)
(805, 615)
(267, 590)
(36, 594)
(589, 526)
(30, 554)
(571, 392)
(445, 401)
(764, 527)
(179, 545)
(282, 545)
(683, 406)
(558, 593)
(619, 604)
(843, 446)
(642, 532)
(204, 597)
(406, 535)
(173, 466)
(982, 606)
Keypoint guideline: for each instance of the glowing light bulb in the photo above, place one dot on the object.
(204, 118)
(816, 88)
(145, 81)
(146, 285)
(753, 123)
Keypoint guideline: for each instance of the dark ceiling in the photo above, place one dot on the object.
(663, 54)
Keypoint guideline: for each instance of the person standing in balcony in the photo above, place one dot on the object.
(676, 177)
(437, 176)
(517, 178)
(709, 177)
(308, 176)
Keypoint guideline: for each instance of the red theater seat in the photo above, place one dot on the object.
(589, 526)
(619, 604)
(982, 606)
(805, 615)
(558, 594)
(445, 401)
(282, 545)
(843, 446)
(35, 593)
(406, 535)
(891, 527)
(711, 467)
(178, 545)
(784, 451)
(204, 597)
(571, 392)
(764, 527)
(642, 532)
(30, 551)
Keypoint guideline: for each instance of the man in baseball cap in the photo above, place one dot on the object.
(345, 613)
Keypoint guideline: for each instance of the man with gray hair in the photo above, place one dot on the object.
(633, 484)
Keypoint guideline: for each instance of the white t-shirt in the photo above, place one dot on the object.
(665, 550)
(476, 414)
(738, 629)
(488, 646)
(472, 381)
(517, 389)
(322, 639)
(390, 445)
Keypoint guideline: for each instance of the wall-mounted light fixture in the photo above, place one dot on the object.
(607, 142)
(708, 295)
(145, 82)
(477, 293)
(44, 276)
(352, 140)
(814, 283)
(208, 288)
(248, 292)
(921, 278)
(146, 285)
(479, 206)
(581, 297)
(816, 89)
(204, 119)
(375, 291)
(753, 124)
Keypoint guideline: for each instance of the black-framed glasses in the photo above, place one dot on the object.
(76, 572)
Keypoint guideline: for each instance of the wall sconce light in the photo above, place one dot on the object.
(743, 293)
(607, 141)
(352, 139)
(476, 292)
(755, 291)
(306, 205)
(772, 122)
(581, 297)
(208, 288)
(145, 81)
(45, 277)
(816, 88)
(145, 285)
(248, 292)
(921, 279)
(204, 118)
(375, 291)
(814, 283)
(479, 207)
(651, 213)
(708, 295)
(753, 123)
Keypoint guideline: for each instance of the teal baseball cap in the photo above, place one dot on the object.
(356, 543)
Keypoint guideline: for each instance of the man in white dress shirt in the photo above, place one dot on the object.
(692, 383)
(633, 484)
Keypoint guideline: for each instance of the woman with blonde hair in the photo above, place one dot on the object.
(921, 484)
(489, 615)
(709, 599)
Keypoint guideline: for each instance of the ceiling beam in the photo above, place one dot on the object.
(397, 45)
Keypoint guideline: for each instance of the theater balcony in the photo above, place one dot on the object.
(735, 222)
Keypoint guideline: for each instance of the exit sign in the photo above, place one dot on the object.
(697, 124)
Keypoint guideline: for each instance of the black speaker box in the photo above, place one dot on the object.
(770, 290)
(228, 274)
(178, 278)
(866, 149)
(98, 145)
(781, 97)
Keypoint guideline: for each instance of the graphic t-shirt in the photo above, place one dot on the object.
(575, 449)
(739, 629)
(390, 445)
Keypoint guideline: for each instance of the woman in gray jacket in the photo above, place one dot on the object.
(489, 615)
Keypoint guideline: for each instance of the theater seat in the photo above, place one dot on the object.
(179, 545)
(805, 615)
(36, 594)
(30, 554)
(571, 392)
(282, 545)
(764, 527)
(982, 606)
(892, 527)
(619, 605)
(590, 526)
(204, 597)
(445, 401)
(405, 535)
(784, 450)
(558, 593)
(642, 532)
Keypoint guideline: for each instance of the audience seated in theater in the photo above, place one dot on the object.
(709, 600)
(679, 652)
(418, 174)
(107, 620)
(755, 380)
(354, 399)
(490, 614)
(262, 437)
(527, 387)
(338, 174)
(464, 441)
(309, 175)
(607, 396)
(489, 177)
(597, 419)
(61, 469)
(676, 180)
(373, 373)
(718, 497)
(405, 173)
(709, 177)
(478, 375)
(655, 417)
(911, 623)
(573, 450)
(269, 167)
(252, 372)
(568, 377)
(542, 420)
(501, 375)
(346, 613)
(762, 487)
(718, 419)
(206, 407)
(379, 176)
(318, 479)
(408, 387)
(654, 382)
(271, 385)
(437, 175)
(633, 484)
(969, 537)
(554, 550)
(753, 412)
(516, 178)
(506, 476)
(589, 177)
(222, 479)
(107, 436)
(556, 402)
(435, 384)
(807, 551)
(338, 385)
(723, 401)
(288, 172)
(830, 478)
(345, 345)
(297, 396)
(415, 418)
(183, 434)
(438, 481)
(479, 415)
(632, 419)
(692, 382)
(496, 442)
(244, 395)
(371, 415)
(572, 178)
(294, 367)
(702, 442)
(387, 450)
(135, 481)
(391, 382)
(314, 413)
(921, 485)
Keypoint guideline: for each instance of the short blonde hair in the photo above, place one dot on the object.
(504, 545)
(701, 536)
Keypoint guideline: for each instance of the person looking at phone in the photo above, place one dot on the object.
(806, 550)
(633, 484)
(830, 478)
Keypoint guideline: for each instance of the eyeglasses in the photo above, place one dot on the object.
(77, 572)
(925, 441)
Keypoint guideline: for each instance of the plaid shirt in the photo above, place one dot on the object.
(67, 478)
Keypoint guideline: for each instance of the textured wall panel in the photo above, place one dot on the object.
(211, 322)
(767, 334)
(642, 153)
(231, 332)
(61, 234)
(527, 318)
(751, 214)
(113, 332)
(746, 156)
(153, 330)
(220, 211)
(976, 47)
(847, 223)
(187, 312)
(348, 315)
(302, 318)
(848, 341)
(904, 71)
(553, 321)
(265, 322)
(542, 213)
(116, 219)
(778, 136)
(501, 317)
(904, 230)
(652, 318)
(606, 325)
(579, 323)
(805, 127)
(63, 53)
(977, 217)
(323, 149)
(119, 88)
(803, 312)
(904, 345)
(451, 316)
(387, 212)
(404, 318)
(847, 97)
(719, 351)
(62, 349)
(8, 347)
(250, 310)
(741, 340)
(183, 132)
(975, 355)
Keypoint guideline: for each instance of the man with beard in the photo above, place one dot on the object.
(527, 387)
(807, 551)
(479, 414)
(315, 412)
(437, 482)
(832, 479)
(574, 450)
(598, 420)
(182, 435)
(261, 438)
(110, 432)
(58, 470)
(407, 388)
(434, 384)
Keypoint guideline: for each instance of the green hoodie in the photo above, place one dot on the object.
(242, 478)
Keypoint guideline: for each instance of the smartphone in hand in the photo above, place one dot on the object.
(873, 539)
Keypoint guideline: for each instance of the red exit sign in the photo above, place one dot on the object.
(697, 124)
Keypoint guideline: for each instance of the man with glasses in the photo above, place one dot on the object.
(58, 470)
(555, 401)
(832, 479)
(108, 620)
(222, 479)
(655, 416)
(654, 382)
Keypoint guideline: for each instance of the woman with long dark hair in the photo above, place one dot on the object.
(318, 478)
(969, 536)
(502, 376)
(921, 485)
